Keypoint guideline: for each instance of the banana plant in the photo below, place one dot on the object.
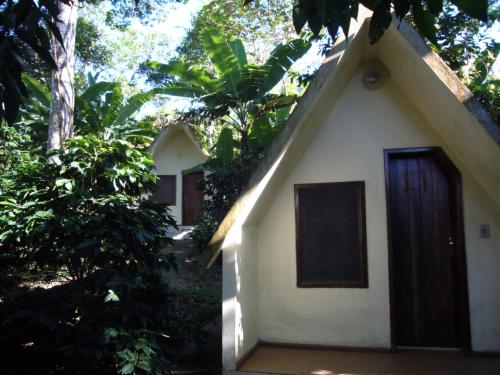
(101, 109)
(233, 90)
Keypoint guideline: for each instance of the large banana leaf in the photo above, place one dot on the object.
(135, 102)
(95, 91)
(220, 52)
(224, 147)
(252, 79)
(281, 59)
(112, 105)
(224, 59)
(261, 133)
(194, 76)
(239, 51)
(37, 90)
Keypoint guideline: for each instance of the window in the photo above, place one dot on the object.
(166, 190)
(331, 235)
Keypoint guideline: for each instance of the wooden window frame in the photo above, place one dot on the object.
(362, 248)
(174, 176)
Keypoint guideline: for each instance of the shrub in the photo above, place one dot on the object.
(86, 232)
(222, 188)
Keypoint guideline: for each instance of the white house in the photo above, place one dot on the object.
(374, 221)
(176, 152)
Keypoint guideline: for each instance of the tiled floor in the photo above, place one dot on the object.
(273, 360)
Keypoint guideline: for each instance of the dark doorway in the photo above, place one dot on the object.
(191, 198)
(429, 303)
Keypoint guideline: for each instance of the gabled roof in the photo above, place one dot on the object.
(434, 90)
(168, 130)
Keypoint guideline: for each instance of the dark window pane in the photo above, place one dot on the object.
(330, 224)
(165, 190)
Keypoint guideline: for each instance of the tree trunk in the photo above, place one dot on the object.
(62, 86)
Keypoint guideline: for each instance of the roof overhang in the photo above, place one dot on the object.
(169, 130)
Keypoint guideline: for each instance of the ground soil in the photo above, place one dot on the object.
(192, 278)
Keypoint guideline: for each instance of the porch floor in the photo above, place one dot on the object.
(281, 360)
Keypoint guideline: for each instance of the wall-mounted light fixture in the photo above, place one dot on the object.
(374, 74)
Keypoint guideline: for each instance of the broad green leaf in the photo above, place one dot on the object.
(224, 60)
(135, 102)
(475, 8)
(279, 102)
(282, 115)
(402, 7)
(112, 105)
(111, 296)
(220, 53)
(185, 72)
(128, 369)
(239, 50)
(314, 19)
(435, 6)
(425, 21)
(381, 20)
(372, 4)
(41, 93)
(299, 16)
(224, 147)
(62, 181)
(93, 92)
(262, 133)
(251, 81)
(282, 58)
(90, 78)
(178, 90)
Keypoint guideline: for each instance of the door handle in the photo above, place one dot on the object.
(451, 241)
(452, 244)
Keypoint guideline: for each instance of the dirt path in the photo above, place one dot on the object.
(199, 293)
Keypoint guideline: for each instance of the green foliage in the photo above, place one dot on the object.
(222, 187)
(22, 23)
(230, 171)
(96, 182)
(237, 95)
(90, 52)
(259, 27)
(470, 50)
(86, 231)
(336, 16)
(70, 329)
(238, 92)
(89, 49)
(484, 85)
(224, 147)
(100, 110)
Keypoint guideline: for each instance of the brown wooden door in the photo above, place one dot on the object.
(425, 264)
(191, 198)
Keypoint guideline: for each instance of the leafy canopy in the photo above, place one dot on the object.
(259, 26)
(233, 90)
(100, 110)
(87, 231)
(470, 49)
(336, 15)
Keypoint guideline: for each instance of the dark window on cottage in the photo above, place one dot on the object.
(165, 190)
(331, 235)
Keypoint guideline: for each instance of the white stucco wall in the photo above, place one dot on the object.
(349, 146)
(240, 295)
(172, 156)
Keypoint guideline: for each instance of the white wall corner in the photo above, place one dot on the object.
(229, 310)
